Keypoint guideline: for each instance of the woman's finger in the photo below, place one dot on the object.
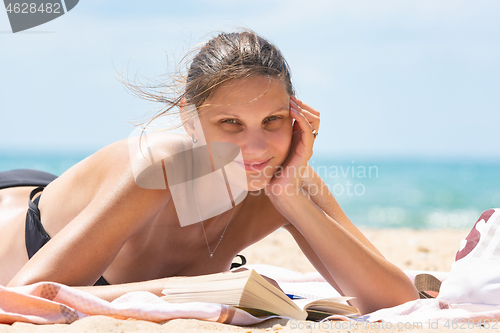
(304, 105)
(305, 127)
(311, 117)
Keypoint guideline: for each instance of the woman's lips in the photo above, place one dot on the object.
(254, 166)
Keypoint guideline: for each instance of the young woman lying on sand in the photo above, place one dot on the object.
(104, 227)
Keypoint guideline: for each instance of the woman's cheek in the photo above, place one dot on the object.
(283, 146)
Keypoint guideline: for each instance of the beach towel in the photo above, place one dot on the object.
(53, 303)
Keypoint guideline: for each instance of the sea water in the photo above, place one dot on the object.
(412, 192)
(378, 192)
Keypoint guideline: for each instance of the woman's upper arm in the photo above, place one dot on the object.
(85, 247)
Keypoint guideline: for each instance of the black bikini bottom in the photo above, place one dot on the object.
(35, 235)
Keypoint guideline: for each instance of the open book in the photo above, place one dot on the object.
(249, 291)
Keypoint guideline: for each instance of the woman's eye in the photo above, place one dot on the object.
(272, 118)
(229, 121)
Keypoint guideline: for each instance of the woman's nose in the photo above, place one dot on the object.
(254, 144)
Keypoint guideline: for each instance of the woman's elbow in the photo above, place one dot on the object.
(394, 295)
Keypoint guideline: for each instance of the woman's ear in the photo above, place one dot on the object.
(191, 122)
(186, 113)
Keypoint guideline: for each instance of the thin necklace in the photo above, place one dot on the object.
(202, 227)
(220, 239)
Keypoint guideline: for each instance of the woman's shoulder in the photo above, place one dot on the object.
(101, 185)
(133, 154)
(118, 168)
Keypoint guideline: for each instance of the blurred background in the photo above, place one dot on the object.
(408, 92)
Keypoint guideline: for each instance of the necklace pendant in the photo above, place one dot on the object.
(221, 236)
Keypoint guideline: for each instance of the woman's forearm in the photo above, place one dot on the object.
(321, 195)
(112, 292)
(358, 270)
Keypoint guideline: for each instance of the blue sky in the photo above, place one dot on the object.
(390, 77)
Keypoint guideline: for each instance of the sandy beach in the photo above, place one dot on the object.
(409, 249)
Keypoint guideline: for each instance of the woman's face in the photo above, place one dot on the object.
(253, 113)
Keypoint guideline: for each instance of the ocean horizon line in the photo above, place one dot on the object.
(317, 156)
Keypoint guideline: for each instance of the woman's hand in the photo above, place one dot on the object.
(287, 181)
